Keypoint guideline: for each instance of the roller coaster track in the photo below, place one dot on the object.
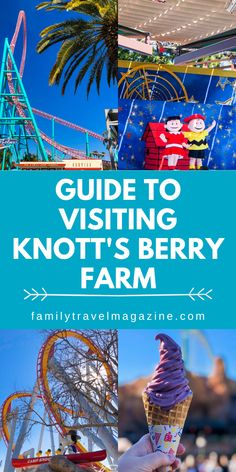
(21, 21)
(53, 408)
(68, 124)
(6, 410)
(44, 356)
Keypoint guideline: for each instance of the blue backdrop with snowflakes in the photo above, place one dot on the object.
(173, 83)
(135, 114)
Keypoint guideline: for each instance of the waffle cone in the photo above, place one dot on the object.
(166, 426)
(176, 416)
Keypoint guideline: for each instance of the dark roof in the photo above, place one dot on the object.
(127, 31)
(212, 40)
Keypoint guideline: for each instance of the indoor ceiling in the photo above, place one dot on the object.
(179, 21)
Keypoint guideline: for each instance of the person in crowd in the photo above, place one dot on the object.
(224, 463)
(72, 449)
(201, 462)
(190, 464)
(232, 463)
(58, 451)
(212, 464)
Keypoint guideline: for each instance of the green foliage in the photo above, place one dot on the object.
(29, 157)
(110, 142)
(214, 61)
(88, 44)
(7, 161)
(126, 55)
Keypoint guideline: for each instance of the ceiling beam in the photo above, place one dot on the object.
(221, 46)
(134, 45)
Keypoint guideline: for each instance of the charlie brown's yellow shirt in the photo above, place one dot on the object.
(197, 141)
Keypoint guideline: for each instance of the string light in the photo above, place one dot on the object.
(193, 23)
(172, 7)
(211, 34)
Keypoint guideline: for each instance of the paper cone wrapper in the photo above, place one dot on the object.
(166, 427)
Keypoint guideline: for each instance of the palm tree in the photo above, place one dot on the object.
(5, 159)
(88, 43)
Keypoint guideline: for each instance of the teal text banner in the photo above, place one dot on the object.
(41, 291)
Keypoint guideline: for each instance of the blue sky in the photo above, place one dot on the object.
(18, 360)
(138, 354)
(88, 113)
(138, 351)
(18, 356)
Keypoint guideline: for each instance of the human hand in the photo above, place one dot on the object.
(141, 458)
(163, 138)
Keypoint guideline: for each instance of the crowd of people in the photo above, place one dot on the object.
(211, 463)
(139, 457)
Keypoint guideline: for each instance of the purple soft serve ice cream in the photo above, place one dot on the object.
(169, 384)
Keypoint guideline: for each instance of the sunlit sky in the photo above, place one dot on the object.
(19, 351)
(138, 354)
(18, 356)
(138, 351)
(88, 113)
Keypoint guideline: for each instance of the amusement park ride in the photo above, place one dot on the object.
(59, 420)
(187, 344)
(18, 127)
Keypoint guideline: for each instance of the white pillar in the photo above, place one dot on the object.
(24, 426)
(8, 467)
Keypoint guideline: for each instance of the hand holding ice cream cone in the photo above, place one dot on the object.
(141, 458)
(167, 398)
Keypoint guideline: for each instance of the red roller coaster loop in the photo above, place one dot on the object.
(53, 409)
(44, 356)
(21, 21)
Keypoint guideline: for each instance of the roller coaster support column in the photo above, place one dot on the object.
(3, 159)
(25, 423)
(53, 138)
(8, 466)
(3, 79)
(185, 347)
(87, 145)
(52, 440)
(42, 431)
(15, 109)
(2, 103)
(103, 431)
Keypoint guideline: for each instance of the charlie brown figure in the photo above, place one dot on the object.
(197, 139)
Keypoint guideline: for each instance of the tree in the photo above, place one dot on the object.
(88, 43)
(6, 156)
(83, 391)
(30, 157)
(110, 136)
(156, 58)
(112, 146)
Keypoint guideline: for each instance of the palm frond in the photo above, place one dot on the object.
(65, 53)
(96, 74)
(74, 64)
(53, 5)
(87, 46)
(88, 6)
(62, 32)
